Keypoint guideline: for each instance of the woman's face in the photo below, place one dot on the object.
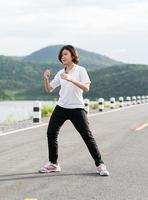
(66, 57)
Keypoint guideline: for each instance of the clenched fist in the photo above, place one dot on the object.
(66, 76)
(47, 74)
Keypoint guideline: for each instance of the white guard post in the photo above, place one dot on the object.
(143, 99)
(138, 99)
(86, 103)
(37, 112)
(121, 101)
(112, 102)
(146, 98)
(128, 101)
(133, 100)
(101, 104)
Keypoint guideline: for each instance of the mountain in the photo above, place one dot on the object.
(124, 80)
(88, 59)
(22, 79)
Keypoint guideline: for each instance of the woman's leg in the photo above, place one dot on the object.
(57, 119)
(79, 119)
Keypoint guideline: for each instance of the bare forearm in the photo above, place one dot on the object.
(47, 86)
(79, 84)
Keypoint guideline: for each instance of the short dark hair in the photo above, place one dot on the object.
(72, 50)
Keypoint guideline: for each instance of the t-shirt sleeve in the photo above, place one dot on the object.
(84, 76)
(55, 82)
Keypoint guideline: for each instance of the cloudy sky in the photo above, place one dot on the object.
(116, 28)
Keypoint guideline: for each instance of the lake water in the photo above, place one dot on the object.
(17, 110)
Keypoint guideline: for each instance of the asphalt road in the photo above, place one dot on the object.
(124, 151)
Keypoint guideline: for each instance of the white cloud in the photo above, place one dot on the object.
(41, 23)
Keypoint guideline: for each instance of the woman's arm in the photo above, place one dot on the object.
(83, 86)
(47, 85)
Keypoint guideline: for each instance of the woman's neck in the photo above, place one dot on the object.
(69, 65)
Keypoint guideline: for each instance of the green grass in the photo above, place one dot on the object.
(46, 111)
(94, 106)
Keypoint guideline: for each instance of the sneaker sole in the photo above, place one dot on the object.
(47, 171)
(107, 174)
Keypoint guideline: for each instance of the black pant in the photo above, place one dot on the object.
(78, 116)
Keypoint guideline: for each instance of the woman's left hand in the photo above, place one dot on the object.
(66, 76)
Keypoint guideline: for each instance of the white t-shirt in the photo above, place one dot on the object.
(70, 95)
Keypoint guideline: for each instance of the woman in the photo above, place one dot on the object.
(73, 80)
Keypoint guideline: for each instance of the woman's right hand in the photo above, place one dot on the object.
(47, 74)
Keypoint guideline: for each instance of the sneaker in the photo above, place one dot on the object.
(101, 169)
(50, 167)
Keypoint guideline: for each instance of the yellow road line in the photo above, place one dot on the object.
(30, 199)
(142, 126)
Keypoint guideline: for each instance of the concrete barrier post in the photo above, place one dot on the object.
(121, 101)
(143, 99)
(128, 101)
(86, 103)
(133, 100)
(101, 104)
(112, 102)
(37, 112)
(138, 99)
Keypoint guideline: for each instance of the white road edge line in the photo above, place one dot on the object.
(23, 129)
(116, 109)
(89, 115)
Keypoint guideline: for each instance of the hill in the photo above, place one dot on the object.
(125, 80)
(90, 60)
(22, 79)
